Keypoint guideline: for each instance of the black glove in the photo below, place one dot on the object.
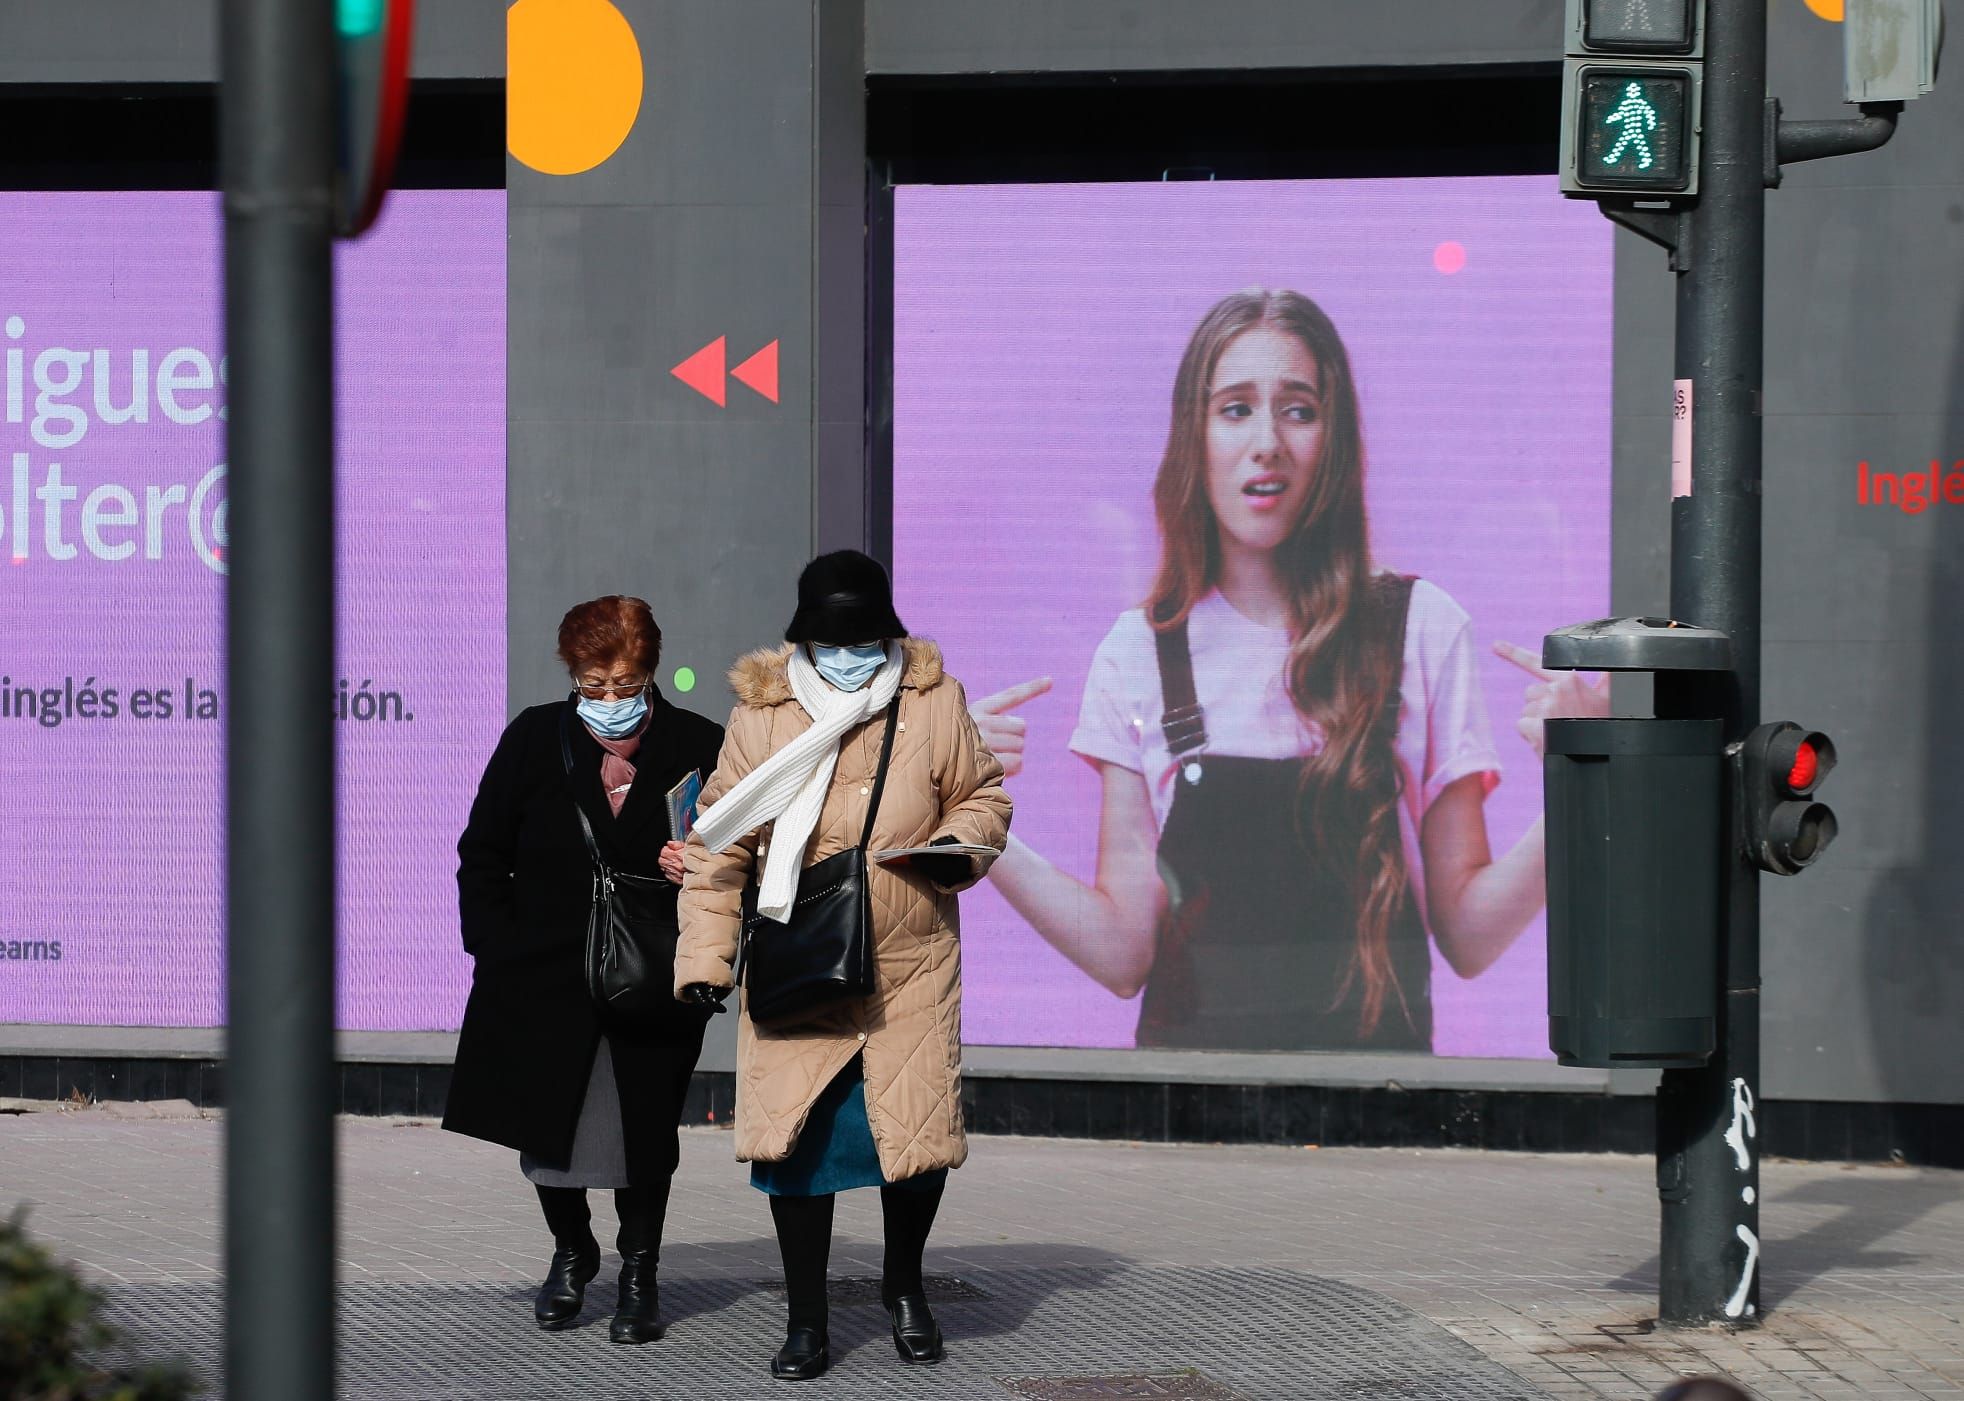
(951, 869)
(705, 995)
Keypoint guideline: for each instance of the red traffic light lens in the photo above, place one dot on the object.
(1806, 768)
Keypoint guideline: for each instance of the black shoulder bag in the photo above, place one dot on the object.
(824, 953)
(630, 930)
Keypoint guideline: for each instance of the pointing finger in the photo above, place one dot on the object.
(1527, 661)
(1012, 697)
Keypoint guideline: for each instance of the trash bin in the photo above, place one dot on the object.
(1635, 844)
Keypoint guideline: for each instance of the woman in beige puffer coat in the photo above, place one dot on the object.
(866, 1092)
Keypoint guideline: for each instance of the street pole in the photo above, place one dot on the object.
(1707, 1151)
(1708, 1118)
(277, 127)
(1715, 229)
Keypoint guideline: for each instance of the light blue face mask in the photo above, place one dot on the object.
(849, 668)
(615, 719)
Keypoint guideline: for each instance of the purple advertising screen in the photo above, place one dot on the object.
(113, 539)
(1228, 503)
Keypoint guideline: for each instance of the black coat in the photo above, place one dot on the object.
(524, 884)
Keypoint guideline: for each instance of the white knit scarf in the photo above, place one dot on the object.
(789, 787)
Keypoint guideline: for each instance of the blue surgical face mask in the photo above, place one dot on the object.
(614, 719)
(849, 668)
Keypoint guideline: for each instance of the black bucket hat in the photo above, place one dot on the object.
(843, 598)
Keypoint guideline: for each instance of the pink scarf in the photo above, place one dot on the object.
(616, 773)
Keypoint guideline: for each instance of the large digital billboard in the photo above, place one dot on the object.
(1241, 509)
(113, 538)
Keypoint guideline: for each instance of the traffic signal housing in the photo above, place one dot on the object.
(1781, 766)
(372, 43)
(1632, 97)
(1658, 27)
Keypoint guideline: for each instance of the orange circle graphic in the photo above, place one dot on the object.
(1831, 10)
(572, 83)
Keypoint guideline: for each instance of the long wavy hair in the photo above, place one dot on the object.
(1342, 674)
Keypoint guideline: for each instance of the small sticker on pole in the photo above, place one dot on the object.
(1680, 438)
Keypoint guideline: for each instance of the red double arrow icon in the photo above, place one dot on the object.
(704, 373)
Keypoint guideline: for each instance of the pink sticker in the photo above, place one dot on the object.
(1680, 438)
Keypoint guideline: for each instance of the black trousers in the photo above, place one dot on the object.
(804, 1239)
(642, 1211)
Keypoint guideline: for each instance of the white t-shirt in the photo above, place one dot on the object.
(1238, 671)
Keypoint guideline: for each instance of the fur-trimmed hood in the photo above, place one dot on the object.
(763, 677)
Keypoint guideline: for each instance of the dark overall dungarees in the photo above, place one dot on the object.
(1258, 935)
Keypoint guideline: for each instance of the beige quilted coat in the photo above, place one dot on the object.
(943, 781)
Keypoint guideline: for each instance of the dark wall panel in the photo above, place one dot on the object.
(623, 478)
(1095, 36)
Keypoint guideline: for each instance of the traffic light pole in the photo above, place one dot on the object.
(1708, 1118)
(277, 135)
(1707, 1149)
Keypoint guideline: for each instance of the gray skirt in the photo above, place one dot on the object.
(599, 1146)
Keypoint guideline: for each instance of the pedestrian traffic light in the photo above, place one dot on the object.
(1631, 97)
(1780, 767)
(1636, 26)
(372, 67)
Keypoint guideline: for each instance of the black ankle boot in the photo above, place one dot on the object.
(637, 1315)
(806, 1353)
(916, 1336)
(560, 1297)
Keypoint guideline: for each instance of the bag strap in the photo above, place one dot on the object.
(880, 783)
(566, 757)
(1182, 721)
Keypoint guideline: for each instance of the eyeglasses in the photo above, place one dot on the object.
(620, 690)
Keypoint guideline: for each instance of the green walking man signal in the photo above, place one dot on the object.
(1630, 130)
(1638, 118)
(1630, 114)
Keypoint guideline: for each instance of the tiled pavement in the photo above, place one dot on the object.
(1545, 1265)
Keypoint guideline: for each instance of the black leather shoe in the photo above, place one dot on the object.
(636, 1316)
(806, 1353)
(560, 1297)
(916, 1335)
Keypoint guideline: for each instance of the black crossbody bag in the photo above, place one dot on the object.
(630, 929)
(824, 953)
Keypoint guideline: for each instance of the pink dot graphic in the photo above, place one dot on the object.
(1449, 257)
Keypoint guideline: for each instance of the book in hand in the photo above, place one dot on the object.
(682, 806)
(900, 854)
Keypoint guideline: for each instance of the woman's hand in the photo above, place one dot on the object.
(671, 861)
(704, 995)
(1552, 695)
(951, 869)
(1003, 732)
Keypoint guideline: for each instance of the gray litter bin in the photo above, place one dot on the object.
(1635, 845)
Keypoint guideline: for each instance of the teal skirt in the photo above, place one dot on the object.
(835, 1153)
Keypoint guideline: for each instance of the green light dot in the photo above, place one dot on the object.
(685, 679)
(358, 18)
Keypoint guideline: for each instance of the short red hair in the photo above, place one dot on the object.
(602, 631)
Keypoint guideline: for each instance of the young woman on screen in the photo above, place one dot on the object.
(1293, 747)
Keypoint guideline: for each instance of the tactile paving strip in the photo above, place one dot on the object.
(1262, 1335)
(1166, 1386)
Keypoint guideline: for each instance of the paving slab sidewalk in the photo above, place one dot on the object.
(1544, 1265)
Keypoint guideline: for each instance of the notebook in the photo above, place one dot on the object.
(682, 806)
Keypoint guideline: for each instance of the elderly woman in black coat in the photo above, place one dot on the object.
(589, 1099)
